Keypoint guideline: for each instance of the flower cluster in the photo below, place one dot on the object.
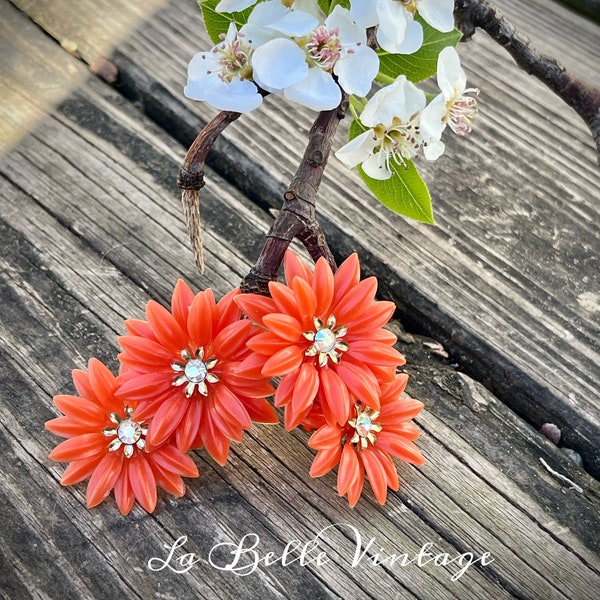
(291, 47)
(399, 124)
(284, 47)
(198, 375)
(324, 337)
(178, 389)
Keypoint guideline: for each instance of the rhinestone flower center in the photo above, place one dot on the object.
(194, 373)
(127, 433)
(364, 426)
(326, 342)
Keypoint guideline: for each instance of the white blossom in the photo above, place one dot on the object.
(223, 76)
(453, 107)
(304, 67)
(392, 116)
(397, 31)
(228, 6)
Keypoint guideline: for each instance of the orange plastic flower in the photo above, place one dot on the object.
(107, 445)
(324, 336)
(366, 442)
(181, 368)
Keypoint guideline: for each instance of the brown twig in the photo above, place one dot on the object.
(580, 96)
(191, 178)
(297, 217)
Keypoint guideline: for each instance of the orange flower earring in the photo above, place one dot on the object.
(198, 375)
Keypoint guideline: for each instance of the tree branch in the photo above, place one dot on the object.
(297, 217)
(191, 178)
(580, 96)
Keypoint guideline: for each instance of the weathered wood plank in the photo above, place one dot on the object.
(254, 469)
(89, 230)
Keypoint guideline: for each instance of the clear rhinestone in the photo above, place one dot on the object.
(363, 425)
(195, 371)
(325, 340)
(129, 432)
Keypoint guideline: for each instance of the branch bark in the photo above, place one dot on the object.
(579, 95)
(191, 178)
(297, 217)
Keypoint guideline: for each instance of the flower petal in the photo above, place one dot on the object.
(438, 13)
(389, 467)
(294, 266)
(284, 361)
(228, 405)
(215, 442)
(142, 482)
(200, 319)
(317, 91)
(323, 286)
(356, 71)
(375, 473)
(82, 446)
(306, 300)
(349, 469)
(379, 314)
(104, 478)
(255, 306)
(346, 277)
(368, 351)
(124, 495)
(325, 437)
(357, 301)
(230, 342)
(78, 470)
(325, 460)
(355, 489)
(361, 383)
(285, 389)
(180, 303)
(165, 327)
(143, 355)
(284, 298)
(335, 395)
(80, 409)
(167, 418)
(279, 64)
(139, 386)
(171, 459)
(187, 429)
(260, 410)
(305, 390)
(400, 448)
(284, 326)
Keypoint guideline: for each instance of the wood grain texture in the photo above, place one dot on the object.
(90, 229)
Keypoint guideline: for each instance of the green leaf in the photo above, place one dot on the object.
(405, 192)
(420, 64)
(328, 5)
(218, 23)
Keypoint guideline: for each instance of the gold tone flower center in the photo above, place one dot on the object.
(127, 433)
(365, 427)
(326, 342)
(194, 373)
